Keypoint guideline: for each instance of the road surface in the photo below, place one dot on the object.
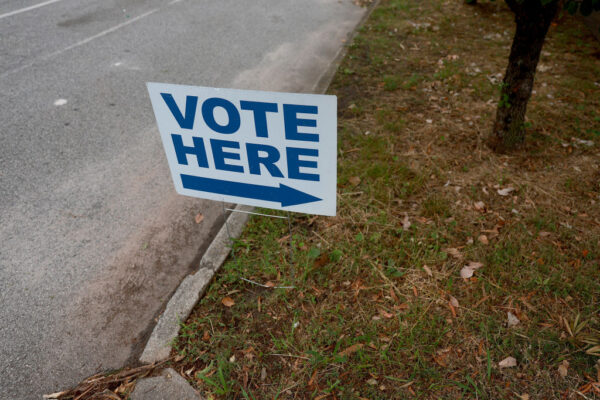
(93, 238)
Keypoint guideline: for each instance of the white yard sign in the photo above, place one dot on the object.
(266, 149)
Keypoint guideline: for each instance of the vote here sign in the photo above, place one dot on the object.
(266, 149)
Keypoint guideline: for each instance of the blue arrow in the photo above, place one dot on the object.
(283, 194)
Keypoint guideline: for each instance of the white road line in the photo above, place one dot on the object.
(33, 7)
(103, 33)
(80, 43)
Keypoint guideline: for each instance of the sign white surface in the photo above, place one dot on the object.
(265, 149)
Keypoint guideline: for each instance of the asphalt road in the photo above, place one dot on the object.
(93, 238)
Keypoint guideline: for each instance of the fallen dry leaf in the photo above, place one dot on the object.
(453, 301)
(563, 368)
(493, 232)
(354, 180)
(427, 270)
(322, 260)
(505, 191)
(585, 252)
(311, 382)
(483, 239)
(512, 319)
(479, 206)
(467, 271)
(508, 362)
(453, 252)
(228, 302)
(263, 374)
(394, 296)
(405, 222)
(453, 305)
(352, 349)
(283, 239)
(199, 218)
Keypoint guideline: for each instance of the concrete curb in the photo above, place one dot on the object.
(168, 386)
(192, 288)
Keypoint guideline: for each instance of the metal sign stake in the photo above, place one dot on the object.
(291, 252)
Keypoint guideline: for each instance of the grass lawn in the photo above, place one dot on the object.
(445, 260)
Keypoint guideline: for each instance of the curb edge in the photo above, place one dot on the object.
(192, 288)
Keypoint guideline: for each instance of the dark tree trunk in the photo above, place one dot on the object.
(533, 20)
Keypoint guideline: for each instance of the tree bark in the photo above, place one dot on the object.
(533, 20)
